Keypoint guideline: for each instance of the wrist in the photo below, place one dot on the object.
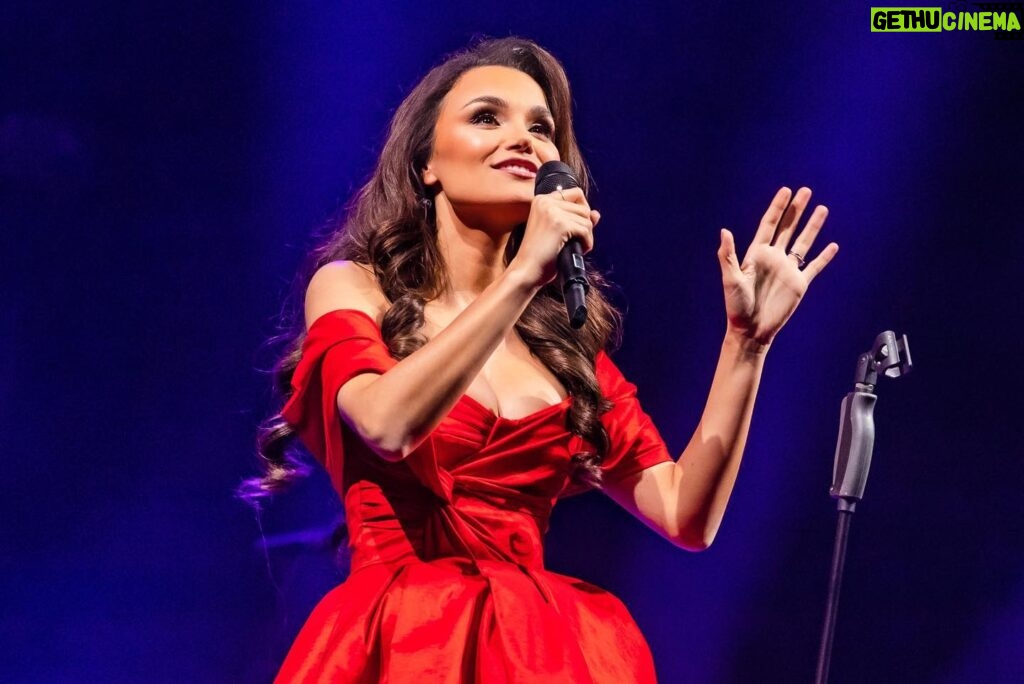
(520, 281)
(746, 344)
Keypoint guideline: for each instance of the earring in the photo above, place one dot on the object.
(426, 204)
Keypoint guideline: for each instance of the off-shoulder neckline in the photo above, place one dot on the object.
(464, 398)
(332, 312)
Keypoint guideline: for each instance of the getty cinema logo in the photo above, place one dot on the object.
(1002, 18)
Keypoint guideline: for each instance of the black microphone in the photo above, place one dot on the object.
(572, 273)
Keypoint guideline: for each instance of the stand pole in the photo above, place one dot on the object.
(832, 607)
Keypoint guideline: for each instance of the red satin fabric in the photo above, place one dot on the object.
(448, 581)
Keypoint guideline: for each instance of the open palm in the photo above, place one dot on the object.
(763, 290)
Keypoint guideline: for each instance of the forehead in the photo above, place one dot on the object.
(509, 84)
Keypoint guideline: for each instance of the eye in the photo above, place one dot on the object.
(484, 116)
(544, 128)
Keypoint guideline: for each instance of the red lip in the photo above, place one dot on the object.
(516, 161)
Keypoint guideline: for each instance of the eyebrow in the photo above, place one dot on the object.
(536, 112)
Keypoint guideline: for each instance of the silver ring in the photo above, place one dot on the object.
(799, 258)
(560, 193)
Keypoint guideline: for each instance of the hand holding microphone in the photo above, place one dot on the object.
(558, 233)
(572, 272)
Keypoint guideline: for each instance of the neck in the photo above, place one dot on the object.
(473, 251)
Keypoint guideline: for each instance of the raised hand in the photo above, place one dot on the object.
(763, 290)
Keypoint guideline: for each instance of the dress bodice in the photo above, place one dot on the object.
(480, 485)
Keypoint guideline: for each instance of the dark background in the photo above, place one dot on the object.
(163, 166)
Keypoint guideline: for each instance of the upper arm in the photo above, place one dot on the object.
(348, 285)
(651, 495)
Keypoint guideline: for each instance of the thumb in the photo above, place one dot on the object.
(727, 248)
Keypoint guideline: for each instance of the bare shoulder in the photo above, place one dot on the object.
(344, 285)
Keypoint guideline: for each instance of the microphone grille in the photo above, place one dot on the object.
(552, 174)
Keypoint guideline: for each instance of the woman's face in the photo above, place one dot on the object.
(493, 132)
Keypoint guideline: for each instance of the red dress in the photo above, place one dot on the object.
(447, 578)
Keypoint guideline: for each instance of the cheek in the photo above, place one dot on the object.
(469, 144)
(461, 145)
(457, 151)
(548, 152)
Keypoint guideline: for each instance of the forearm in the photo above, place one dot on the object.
(709, 464)
(413, 397)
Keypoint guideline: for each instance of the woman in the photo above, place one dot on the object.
(438, 382)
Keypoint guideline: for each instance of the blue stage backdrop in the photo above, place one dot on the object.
(163, 167)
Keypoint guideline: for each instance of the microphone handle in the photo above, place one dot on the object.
(572, 278)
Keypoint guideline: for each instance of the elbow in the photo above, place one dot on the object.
(388, 454)
(391, 447)
(693, 544)
(394, 443)
(386, 440)
(377, 423)
(696, 538)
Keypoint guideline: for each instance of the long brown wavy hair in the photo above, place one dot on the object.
(390, 225)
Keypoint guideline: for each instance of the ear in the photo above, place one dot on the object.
(428, 176)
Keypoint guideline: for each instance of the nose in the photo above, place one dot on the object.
(520, 142)
(519, 137)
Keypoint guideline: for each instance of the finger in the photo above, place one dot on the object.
(727, 257)
(574, 195)
(577, 226)
(584, 232)
(791, 217)
(823, 259)
(577, 208)
(805, 240)
(766, 230)
(595, 217)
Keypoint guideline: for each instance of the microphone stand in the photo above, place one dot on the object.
(891, 357)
